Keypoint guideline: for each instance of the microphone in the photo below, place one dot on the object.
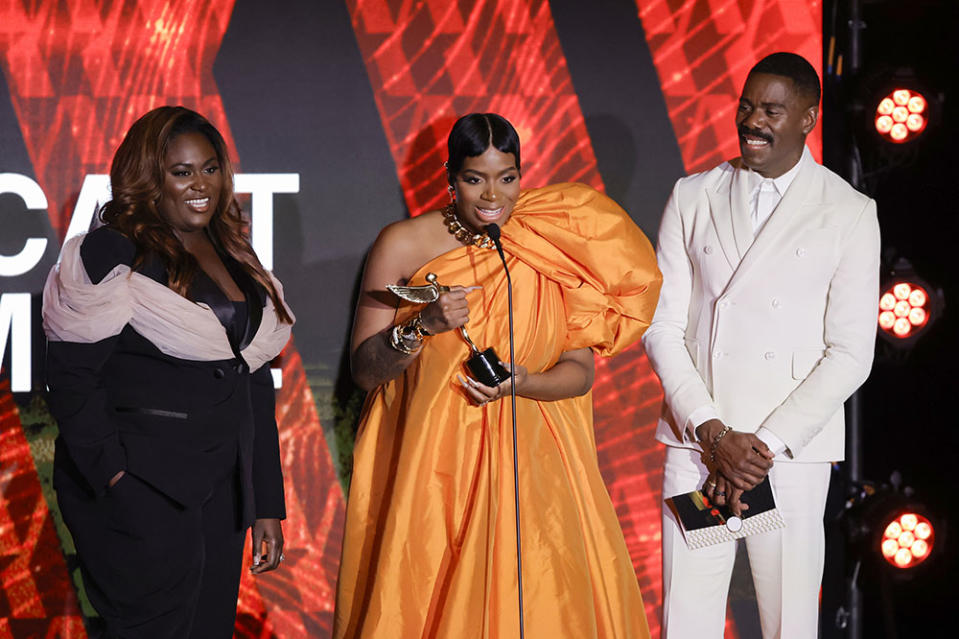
(492, 230)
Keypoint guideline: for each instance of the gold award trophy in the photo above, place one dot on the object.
(484, 365)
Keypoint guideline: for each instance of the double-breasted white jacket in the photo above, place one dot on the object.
(775, 331)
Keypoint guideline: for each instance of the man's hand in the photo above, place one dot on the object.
(742, 458)
(721, 492)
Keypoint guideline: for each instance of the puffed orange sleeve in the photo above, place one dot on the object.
(582, 239)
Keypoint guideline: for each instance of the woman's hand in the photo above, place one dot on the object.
(570, 376)
(113, 480)
(449, 311)
(267, 545)
(482, 394)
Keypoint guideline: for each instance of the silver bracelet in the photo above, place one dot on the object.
(718, 438)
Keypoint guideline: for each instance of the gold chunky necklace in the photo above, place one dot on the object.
(461, 233)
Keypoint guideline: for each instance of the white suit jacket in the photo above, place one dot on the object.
(774, 332)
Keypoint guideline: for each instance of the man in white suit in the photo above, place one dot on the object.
(765, 325)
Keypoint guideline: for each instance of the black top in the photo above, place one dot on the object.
(177, 424)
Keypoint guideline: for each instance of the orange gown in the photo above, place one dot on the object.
(430, 547)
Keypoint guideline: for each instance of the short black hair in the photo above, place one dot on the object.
(796, 68)
(473, 134)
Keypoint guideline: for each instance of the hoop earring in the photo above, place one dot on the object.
(452, 193)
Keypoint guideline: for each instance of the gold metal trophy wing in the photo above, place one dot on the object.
(420, 294)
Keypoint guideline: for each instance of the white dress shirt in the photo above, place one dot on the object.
(765, 195)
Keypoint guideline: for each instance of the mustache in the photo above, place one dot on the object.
(756, 134)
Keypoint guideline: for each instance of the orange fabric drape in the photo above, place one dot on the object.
(429, 548)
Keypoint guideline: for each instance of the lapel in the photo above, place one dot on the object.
(791, 213)
(729, 209)
(204, 289)
(255, 299)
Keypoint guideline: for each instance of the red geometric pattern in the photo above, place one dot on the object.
(488, 55)
(703, 50)
(37, 597)
(296, 601)
(505, 56)
(78, 78)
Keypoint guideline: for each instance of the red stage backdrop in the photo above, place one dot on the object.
(337, 116)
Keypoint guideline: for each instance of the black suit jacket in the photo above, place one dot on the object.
(180, 425)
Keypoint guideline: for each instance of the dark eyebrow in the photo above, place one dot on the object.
(190, 164)
(773, 105)
(512, 168)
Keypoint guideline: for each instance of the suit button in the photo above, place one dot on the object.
(776, 303)
(723, 304)
(770, 355)
(218, 373)
(707, 249)
(717, 354)
(240, 368)
(800, 252)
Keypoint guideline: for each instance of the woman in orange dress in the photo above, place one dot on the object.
(430, 542)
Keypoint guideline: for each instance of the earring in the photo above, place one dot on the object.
(452, 193)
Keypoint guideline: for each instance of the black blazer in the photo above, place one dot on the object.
(180, 425)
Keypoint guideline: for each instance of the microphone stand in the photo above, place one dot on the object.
(494, 234)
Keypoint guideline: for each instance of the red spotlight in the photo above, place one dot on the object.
(899, 115)
(903, 309)
(907, 306)
(907, 540)
(889, 531)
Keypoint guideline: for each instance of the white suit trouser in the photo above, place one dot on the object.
(786, 564)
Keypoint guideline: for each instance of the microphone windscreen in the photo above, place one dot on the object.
(493, 231)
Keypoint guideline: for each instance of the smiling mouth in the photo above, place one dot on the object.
(755, 142)
(489, 214)
(200, 205)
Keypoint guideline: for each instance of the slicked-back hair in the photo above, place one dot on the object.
(472, 134)
(796, 68)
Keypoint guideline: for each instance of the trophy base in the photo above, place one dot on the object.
(486, 368)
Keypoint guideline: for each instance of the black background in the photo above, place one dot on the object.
(909, 419)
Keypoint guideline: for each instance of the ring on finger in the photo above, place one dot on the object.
(720, 493)
(711, 484)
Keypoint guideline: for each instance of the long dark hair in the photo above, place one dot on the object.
(472, 134)
(136, 178)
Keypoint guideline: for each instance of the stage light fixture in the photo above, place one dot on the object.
(908, 305)
(901, 115)
(887, 528)
(903, 308)
(907, 540)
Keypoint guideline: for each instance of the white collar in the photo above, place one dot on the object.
(783, 181)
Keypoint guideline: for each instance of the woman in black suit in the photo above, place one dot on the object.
(161, 327)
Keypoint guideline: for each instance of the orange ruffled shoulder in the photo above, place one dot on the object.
(582, 239)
